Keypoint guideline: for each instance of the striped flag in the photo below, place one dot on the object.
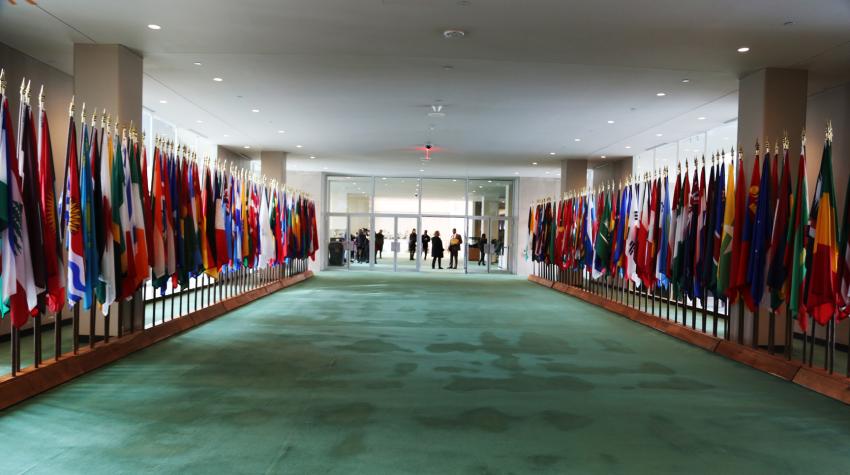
(778, 272)
(725, 262)
(72, 222)
(663, 259)
(52, 249)
(760, 238)
(823, 281)
(797, 237)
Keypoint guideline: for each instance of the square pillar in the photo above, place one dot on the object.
(273, 165)
(109, 77)
(573, 175)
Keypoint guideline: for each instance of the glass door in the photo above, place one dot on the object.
(409, 243)
(478, 233)
(361, 244)
(385, 243)
(499, 256)
(338, 242)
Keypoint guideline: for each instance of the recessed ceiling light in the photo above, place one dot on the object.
(551, 153)
(299, 146)
(198, 63)
(577, 140)
(448, 67)
(226, 135)
(246, 147)
(324, 168)
(546, 173)
(454, 180)
(516, 173)
(153, 26)
(281, 131)
(700, 118)
(489, 181)
(421, 170)
(312, 157)
(218, 79)
(163, 101)
(610, 121)
(604, 156)
(659, 135)
(628, 146)
(454, 34)
(199, 121)
(660, 94)
(686, 80)
(255, 110)
(383, 178)
(534, 163)
(743, 49)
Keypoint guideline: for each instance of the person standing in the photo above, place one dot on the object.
(436, 250)
(482, 249)
(425, 240)
(379, 245)
(454, 248)
(411, 243)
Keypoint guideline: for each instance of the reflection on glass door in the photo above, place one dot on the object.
(360, 234)
(337, 242)
(499, 246)
(445, 225)
(478, 232)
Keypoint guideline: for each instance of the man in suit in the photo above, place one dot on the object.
(455, 242)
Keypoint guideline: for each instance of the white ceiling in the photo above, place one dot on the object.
(352, 80)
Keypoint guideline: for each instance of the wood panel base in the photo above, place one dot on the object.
(830, 385)
(32, 381)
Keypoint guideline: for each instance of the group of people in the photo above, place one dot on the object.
(437, 249)
(361, 245)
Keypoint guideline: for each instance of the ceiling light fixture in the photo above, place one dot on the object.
(610, 121)
(163, 101)
(324, 168)
(246, 147)
(153, 26)
(226, 135)
(743, 49)
(299, 146)
(218, 79)
(454, 34)
(255, 110)
(700, 118)
(312, 157)
(659, 135)
(551, 153)
(421, 170)
(660, 94)
(198, 63)
(534, 163)
(199, 121)
(686, 80)
(603, 156)
(516, 173)
(628, 146)
(281, 131)
(576, 140)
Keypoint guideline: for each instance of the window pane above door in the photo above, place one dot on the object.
(397, 195)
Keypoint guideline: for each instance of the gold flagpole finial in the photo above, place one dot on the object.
(27, 93)
(94, 119)
(803, 138)
(23, 88)
(829, 131)
(41, 97)
(757, 146)
(83, 114)
(103, 119)
(2, 82)
(71, 107)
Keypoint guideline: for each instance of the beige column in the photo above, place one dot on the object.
(109, 77)
(273, 165)
(770, 102)
(573, 175)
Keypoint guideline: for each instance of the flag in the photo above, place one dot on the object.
(109, 222)
(631, 247)
(602, 247)
(138, 214)
(718, 208)
(778, 271)
(823, 244)
(686, 280)
(725, 262)
(760, 238)
(797, 237)
(743, 257)
(221, 256)
(31, 194)
(18, 291)
(843, 299)
(52, 250)
(72, 221)
(158, 220)
(663, 258)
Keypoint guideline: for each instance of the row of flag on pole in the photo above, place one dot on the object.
(119, 224)
(712, 232)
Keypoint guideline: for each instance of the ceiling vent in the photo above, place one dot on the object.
(436, 111)
(454, 34)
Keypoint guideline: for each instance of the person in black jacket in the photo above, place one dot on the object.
(454, 247)
(411, 243)
(482, 249)
(379, 245)
(436, 250)
(425, 240)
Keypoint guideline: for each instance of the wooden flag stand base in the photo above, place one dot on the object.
(53, 372)
(816, 379)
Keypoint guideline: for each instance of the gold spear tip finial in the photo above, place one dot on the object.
(71, 107)
(41, 97)
(829, 131)
(803, 138)
(2, 81)
(786, 142)
(23, 87)
(94, 118)
(83, 113)
(29, 84)
(757, 145)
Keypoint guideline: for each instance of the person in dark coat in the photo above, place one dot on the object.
(379, 245)
(454, 248)
(411, 243)
(436, 250)
(425, 240)
(482, 248)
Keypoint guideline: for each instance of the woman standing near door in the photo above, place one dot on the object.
(454, 247)
(436, 250)
(379, 245)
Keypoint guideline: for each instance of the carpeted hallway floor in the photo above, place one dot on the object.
(378, 373)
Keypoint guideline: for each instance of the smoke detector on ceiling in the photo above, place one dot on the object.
(454, 34)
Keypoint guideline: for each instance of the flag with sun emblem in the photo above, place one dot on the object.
(76, 275)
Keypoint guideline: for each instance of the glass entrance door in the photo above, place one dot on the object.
(478, 250)
(489, 247)
(409, 244)
(360, 234)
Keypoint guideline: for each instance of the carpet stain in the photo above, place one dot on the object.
(676, 383)
(384, 385)
(519, 383)
(485, 419)
(354, 414)
(403, 369)
(454, 369)
(373, 345)
(566, 421)
(542, 460)
(350, 446)
(613, 346)
(449, 347)
(643, 368)
(507, 362)
(540, 344)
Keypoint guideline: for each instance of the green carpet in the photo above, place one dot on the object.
(378, 373)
